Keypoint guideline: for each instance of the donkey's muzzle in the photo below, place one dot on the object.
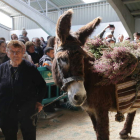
(78, 100)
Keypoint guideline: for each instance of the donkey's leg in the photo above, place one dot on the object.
(102, 125)
(93, 119)
(128, 125)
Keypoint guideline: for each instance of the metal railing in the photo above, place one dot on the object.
(42, 11)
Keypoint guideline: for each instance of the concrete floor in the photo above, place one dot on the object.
(66, 124)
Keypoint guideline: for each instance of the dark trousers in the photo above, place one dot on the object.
(10, 121)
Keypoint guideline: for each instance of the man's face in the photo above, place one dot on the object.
(14, 37)
(24, 34)
(15, 54)
(2, 48)
(37, 42)
(51, 54)
(31, 49)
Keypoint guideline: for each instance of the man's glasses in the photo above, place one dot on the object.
(15, 52)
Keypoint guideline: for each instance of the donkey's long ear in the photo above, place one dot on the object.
(63, 25)
(87, 30)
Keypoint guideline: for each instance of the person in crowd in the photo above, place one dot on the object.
(120, 38)
(26, 56)
(2, 38)
(128, 39)
(3, 55)
(136, 37)
(51, 42)
(22, 40)
(14, 37)
(47, 58)
(43, 43)
(38, 48)
(31, 51)
(24, 35)
(22, 89)
(108, 34)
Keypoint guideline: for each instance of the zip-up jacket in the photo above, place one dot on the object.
(20, 86)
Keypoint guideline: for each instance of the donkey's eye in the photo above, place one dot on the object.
(65, 60)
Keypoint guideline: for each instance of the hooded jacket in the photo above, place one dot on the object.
(45, 61)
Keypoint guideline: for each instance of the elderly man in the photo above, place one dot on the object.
(22, 89)
(38, 48)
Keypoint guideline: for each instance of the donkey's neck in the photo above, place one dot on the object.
(90, 76)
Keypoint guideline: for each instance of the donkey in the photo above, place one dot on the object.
(73, 71)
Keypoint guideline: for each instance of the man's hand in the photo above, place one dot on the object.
(38, 106)
(106, 27)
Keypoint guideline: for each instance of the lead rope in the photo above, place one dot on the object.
(33, 116)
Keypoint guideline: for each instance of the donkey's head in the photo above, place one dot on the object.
(68, 64)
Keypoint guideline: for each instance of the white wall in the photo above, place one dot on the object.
(119, 29)
(4, 33)
(137, 25)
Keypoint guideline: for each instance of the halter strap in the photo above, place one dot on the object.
(65, 81)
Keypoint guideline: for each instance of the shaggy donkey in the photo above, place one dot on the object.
(72, 70)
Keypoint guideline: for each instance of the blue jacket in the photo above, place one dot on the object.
(25, 85)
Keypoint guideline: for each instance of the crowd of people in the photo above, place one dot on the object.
(38, 51)
(109, 36)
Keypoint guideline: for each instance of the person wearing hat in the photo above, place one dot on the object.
(47, 58)
(24, 35)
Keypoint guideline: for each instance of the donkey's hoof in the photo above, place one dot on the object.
(123, 134)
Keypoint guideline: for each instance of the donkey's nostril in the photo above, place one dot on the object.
(76, 97)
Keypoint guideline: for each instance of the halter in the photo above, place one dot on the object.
(65, 81)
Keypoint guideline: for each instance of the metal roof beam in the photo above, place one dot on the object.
(137, 12)
(54, 5)
(44, 22)
(125, 16)
(3, 7)
(130, 1)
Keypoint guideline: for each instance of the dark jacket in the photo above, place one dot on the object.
(25, 85)
(3, 58)
(24, 37)
(35, 57)
(39, 50)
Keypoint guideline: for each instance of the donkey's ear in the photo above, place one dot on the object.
(63, 25)
(87, 30)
